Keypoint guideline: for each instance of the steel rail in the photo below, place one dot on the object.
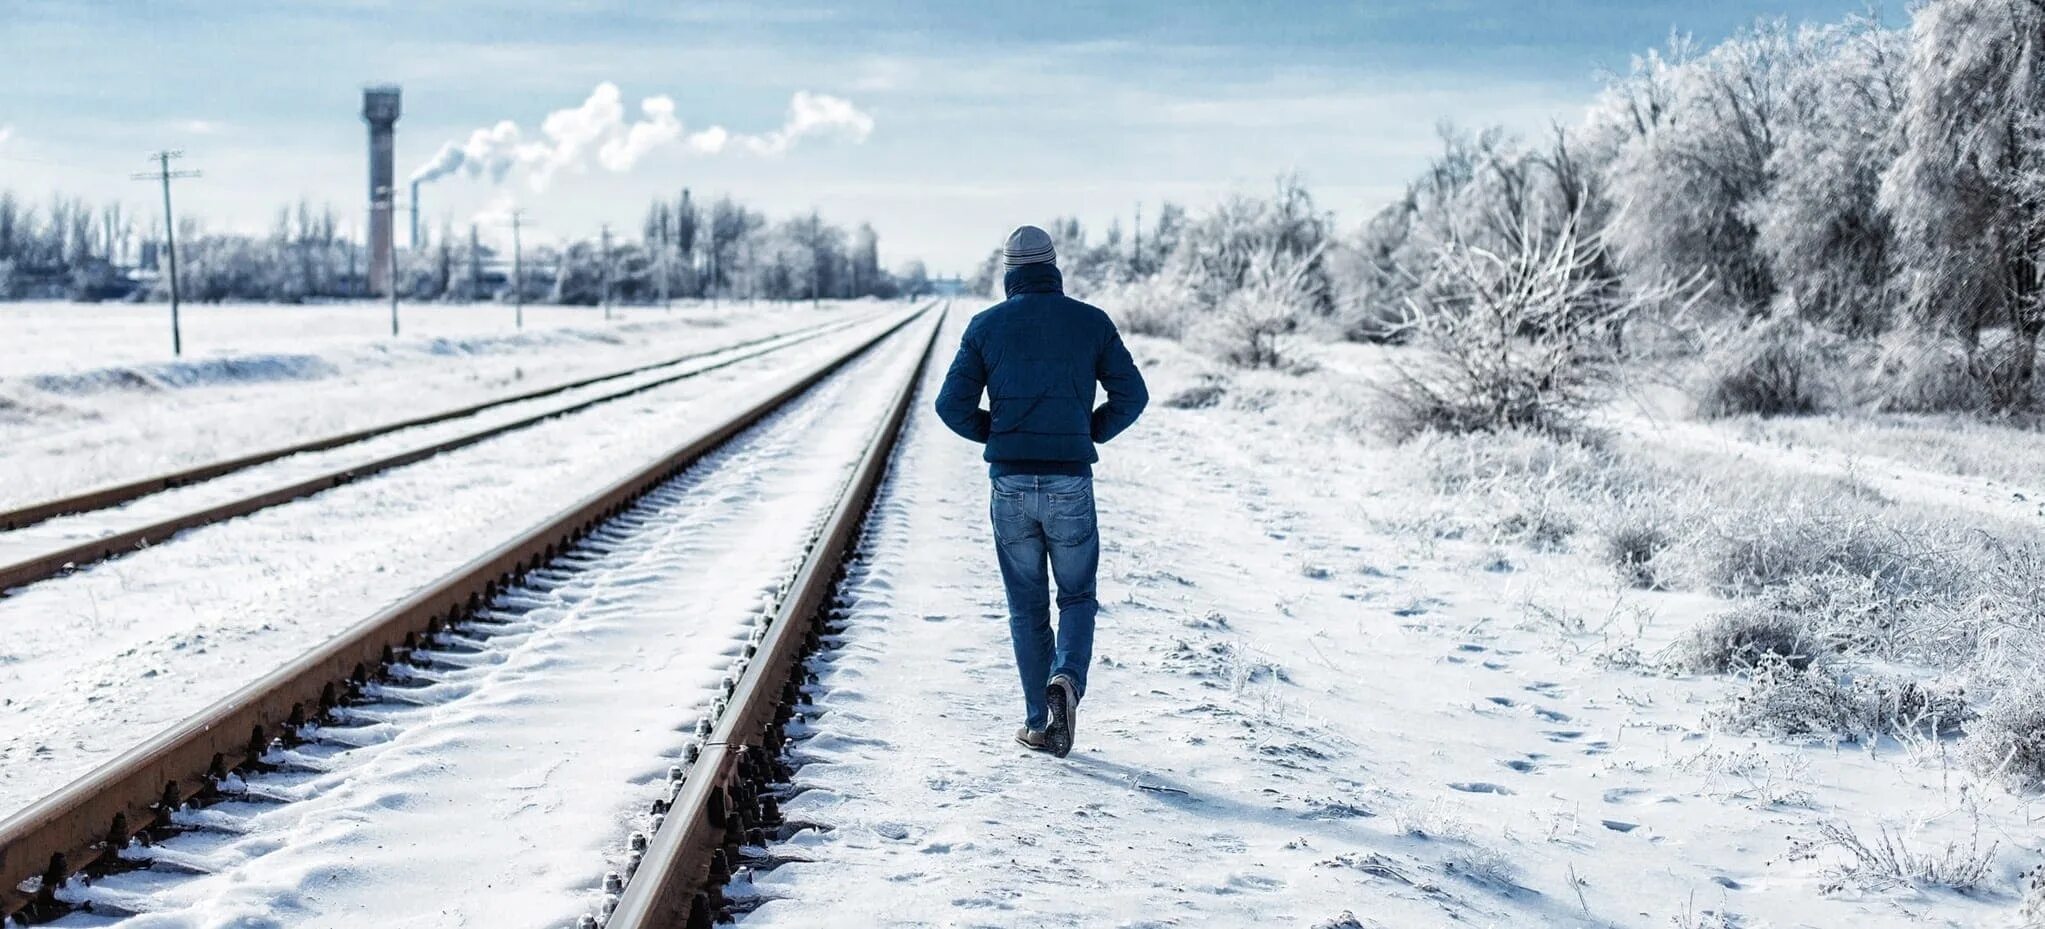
(100, 498)
(92, 818)
(718, 801)
(52, 562)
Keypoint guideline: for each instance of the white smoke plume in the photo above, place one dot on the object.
(598, 129)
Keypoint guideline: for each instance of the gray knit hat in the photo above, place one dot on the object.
(1027, 245)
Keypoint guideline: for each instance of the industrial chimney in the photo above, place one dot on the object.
(415, 216)
(380, 110)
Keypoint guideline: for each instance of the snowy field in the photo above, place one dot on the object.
(59, 337)
(88, 396)
(1340, 683)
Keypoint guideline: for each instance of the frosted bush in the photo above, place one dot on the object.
(1782, 701)
(2007, 742)
(1889, 860)
(1746, 638)
(1780, 368)
(1519, 336)
(1160, 305)
(1920, 373)
(1632, 545)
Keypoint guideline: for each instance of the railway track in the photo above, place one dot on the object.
(714, 800)
(46, 562)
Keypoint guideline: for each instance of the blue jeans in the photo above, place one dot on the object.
(1038, 519)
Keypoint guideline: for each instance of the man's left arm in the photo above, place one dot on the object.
(1124, 384)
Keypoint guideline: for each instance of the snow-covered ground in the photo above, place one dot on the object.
(89, 397)
(99, 660)
(504, 799)
(1308, 709)
(1305, 713)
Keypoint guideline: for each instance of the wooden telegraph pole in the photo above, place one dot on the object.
(164, 174)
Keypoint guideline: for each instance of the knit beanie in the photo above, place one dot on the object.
(1027, 245)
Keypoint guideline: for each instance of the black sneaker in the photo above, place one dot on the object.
(1064, 702)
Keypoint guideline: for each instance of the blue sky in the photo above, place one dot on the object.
(984, 114)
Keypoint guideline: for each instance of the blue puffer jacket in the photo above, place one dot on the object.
(1038, 355)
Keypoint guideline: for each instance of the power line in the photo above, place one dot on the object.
(164, 174)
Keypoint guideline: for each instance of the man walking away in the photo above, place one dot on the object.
(1037, 355)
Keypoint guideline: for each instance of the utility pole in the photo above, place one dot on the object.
(664, 304)
(517, 269)
(607, 271)
(164, 174)
(387, 197)
(1137, 251)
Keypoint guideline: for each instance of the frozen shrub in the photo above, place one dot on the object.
(1539, 525)
(1155, 306)
(1776, 541)
(1631, 547)
(1519, 461)
(1776, 369)
(1201, 396)
(2008, 741)
(1255, 325)
(1889, 861)
(1927, 374)
(1781, 700)
(1746, 638)
(1519, 337)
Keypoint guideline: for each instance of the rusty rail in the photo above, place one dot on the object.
(94, 817)
(53, 562)
(718, 801)
(100, 498)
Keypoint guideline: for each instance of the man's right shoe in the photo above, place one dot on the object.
(1032, 739)
(1063, 699)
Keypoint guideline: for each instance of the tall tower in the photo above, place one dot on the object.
(380, 111)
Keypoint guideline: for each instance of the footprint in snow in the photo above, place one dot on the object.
(1551, 715)
(1518, 764)
(1480, 787)
(1620, 825)
(1504, 701)
(1563, 735)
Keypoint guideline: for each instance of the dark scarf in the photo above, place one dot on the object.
(1038, 278)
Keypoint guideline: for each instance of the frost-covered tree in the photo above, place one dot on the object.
(1819, 224)
(1700, 157)
(1967, 190)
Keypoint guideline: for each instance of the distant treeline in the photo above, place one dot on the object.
(69, 249)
